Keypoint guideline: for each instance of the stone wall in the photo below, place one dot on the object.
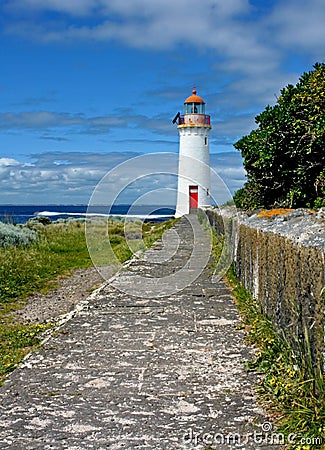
(280, 260)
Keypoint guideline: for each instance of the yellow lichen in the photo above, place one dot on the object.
(269, 213)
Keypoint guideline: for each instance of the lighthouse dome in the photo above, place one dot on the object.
(194, 98)
(194, 104)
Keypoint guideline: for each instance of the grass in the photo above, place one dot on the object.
(292, 392)
(221, 246)
(116, 243)
(15, 342)
(59, 249)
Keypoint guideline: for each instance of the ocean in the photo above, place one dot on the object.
(21, 213)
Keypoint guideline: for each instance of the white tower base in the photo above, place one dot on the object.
(193, 170)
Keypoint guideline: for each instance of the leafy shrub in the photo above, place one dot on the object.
(12, 235)
(284, 157)
(249, 197)
(320, 189)
(115, 239)
(37, 222)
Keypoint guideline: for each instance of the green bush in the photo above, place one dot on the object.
(15, 236)
(249, 197)
(284, 157)
(38, 222)
(320, 190)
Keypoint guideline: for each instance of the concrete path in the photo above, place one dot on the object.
(151, 372)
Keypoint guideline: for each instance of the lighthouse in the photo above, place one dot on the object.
(193, 190)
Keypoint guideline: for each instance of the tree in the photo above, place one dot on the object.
(285, 156)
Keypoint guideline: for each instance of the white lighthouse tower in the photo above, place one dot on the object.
(194, 158)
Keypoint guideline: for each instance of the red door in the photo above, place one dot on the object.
(194, 197)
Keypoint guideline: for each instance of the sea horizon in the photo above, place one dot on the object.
(20, 214)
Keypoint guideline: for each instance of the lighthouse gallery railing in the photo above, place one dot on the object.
(203, 119)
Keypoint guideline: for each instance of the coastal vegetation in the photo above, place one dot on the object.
(284, 157)
(288, 389)
(12, 236)
(33, 257)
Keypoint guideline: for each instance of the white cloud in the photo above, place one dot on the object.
(73, 7)
(8, 162)
(44, 120)
(225, 27)
(133, 8)
(49, 180)
(72, 177)
(61, 127)
(299, 25)
(245, 41)
(246, 50)
(247, 46)
(159, 24)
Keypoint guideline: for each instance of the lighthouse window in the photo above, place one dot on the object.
(194, 108)
(205, 141)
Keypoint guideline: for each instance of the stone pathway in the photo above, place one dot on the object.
(159, 369)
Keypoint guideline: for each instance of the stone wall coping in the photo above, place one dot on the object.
(303, 226)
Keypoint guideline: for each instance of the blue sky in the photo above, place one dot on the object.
(87, 84)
